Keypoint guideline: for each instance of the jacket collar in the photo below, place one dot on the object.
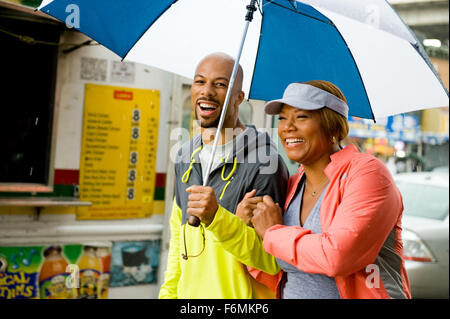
(336, 160)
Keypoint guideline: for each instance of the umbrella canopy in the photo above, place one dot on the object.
(360, 45)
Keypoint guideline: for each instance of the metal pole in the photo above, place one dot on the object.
(251, 8)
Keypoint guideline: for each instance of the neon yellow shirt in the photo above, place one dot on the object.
(220, 271)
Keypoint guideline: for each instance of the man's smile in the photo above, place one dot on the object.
(207, 108)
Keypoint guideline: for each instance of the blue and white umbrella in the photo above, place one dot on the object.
(360, 45)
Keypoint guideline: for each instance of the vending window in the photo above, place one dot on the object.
(28, 61)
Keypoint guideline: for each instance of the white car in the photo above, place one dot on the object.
(425, 231)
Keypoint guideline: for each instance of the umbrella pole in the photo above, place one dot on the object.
(251, 8)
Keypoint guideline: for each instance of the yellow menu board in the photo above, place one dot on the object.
(118, 152)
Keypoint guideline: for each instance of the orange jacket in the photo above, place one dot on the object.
(361, 207)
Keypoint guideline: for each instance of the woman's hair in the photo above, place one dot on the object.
(334, 124)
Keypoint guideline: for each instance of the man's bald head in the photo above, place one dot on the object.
(222, 57)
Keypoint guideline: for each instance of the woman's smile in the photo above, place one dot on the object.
(293, 142)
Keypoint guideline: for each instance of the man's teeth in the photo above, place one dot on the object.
(207, 107)
(294, 140)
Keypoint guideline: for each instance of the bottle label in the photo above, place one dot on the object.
(89, 279)
(104, 285)
(55, 287)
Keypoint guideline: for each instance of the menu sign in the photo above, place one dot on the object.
(118, 153)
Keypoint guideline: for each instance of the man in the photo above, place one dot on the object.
(210, 261)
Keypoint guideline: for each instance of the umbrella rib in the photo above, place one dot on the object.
(296, 11)
(293, 5)
(259, 7)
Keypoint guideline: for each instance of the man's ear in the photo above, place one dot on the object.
(240, 98)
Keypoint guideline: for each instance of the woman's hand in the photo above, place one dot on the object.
(266, 215)
(245, 208)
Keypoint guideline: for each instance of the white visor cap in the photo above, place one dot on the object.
(307, 97)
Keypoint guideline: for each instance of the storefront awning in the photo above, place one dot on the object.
(26, 12)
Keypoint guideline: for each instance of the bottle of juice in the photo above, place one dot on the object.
(104, 254)
(90, 269)
(53, 275)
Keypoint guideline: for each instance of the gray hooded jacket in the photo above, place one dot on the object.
(253, 164)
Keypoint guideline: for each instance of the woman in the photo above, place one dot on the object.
(340, 235)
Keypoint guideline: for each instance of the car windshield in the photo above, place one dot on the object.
(424, 200)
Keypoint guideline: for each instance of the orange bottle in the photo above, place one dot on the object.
(90, 269)
(104, 254)
(53, 275)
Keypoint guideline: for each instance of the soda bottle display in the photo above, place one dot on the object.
(90, 269)
(104, 254)
(53, 275)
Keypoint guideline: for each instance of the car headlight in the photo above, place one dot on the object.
(414, 248)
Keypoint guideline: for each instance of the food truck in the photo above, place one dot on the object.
(84, 163)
